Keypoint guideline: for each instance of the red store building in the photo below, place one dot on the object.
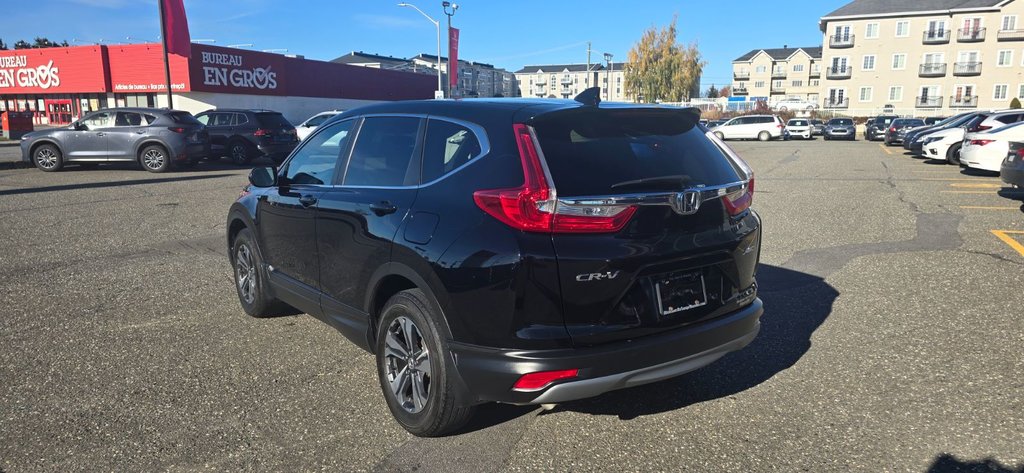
(60, 84)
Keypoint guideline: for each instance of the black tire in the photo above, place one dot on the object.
(247, 263)
(239, 152)
(444, 409)
(764, 136)
(48, 158)
(154, 158)
(953, 154)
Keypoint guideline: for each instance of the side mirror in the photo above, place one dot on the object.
(263, 177)
(79, 126)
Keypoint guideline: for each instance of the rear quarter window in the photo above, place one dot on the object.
(598, 152)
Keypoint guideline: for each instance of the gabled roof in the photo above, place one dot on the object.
(433, 58)
(361, 57)
(560, 68)
(892, 7)
(780, 54)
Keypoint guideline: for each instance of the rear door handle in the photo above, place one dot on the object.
(100, 134)
(307, 200)
(383, 208)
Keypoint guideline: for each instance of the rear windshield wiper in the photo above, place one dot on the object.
(681, 179)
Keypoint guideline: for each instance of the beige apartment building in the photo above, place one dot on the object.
(775, 74)
(565, 81)
(922, 57)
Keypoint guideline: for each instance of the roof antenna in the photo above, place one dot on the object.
(590, 97)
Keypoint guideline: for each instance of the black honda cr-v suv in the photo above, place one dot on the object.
(518, 251)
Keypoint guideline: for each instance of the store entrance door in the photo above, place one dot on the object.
(58, 112)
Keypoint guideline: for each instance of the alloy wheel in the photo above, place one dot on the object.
(245, 274)
(238, 153)
(153, 159)
(407, 363)
(46, 158)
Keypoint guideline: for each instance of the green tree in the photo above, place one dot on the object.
(659, 68)
(22, 44)
(3, 45)
(712, 92)
(1015, 103)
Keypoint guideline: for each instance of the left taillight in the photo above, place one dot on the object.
(980, 142)
(534, 206)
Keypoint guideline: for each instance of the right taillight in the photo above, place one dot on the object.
(980, 142)
(892, 129)
(738, 201)
(534, 207)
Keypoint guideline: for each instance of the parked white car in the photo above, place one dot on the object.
(986, 150)
(799, 128)
(794, 104)
(946, 144)
(305, 128)
(761, 127)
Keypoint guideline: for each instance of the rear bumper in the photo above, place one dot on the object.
(1012, 174)
(193, 151)
(490, 373)
(277, 150)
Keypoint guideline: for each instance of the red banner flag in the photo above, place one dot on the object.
(453, 57)
(176, 37)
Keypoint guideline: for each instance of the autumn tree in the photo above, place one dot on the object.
(658, 68)
(725, 91)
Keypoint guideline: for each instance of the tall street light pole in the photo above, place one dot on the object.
(437, 24)
(453, 6)
(608, 74)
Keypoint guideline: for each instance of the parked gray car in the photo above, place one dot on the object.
(158, 139)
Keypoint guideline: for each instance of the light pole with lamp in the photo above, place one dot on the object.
(437, 24)
(454, 6)
(608, 75)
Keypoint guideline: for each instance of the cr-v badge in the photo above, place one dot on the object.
(596, 276)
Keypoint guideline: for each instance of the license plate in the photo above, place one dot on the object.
(680, 291)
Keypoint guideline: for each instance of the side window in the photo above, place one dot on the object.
(239, 119)
(204, 119)
(383, 152)
(148, 119)
(128, 119)
(99, 120)
(738, 121)
(221, 119)
(1007, 119)
(317, 120)
(315, 161)
(447, 146)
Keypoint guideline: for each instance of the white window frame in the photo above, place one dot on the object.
(1020, 91)
(1002, 22)
(864, 63)
(798, 67)
(892, 63)
(898, 96)
(760, 69)
(814, 82)
(995, 91)
(906, 32)
(867, 31)
(759, 84)
(999, 56)
(871, 94)
(941, 55)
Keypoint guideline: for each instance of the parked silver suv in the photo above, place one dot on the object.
(158, 139)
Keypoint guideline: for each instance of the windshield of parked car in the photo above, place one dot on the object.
(840, 122)
(797, 123)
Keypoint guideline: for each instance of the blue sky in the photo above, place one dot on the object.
(509, 34)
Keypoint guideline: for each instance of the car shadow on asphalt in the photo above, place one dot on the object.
(946, 463)
(796, 304)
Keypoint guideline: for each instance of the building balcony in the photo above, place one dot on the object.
(1010, 35)
(740, 91)
(936, 37)
(836, 103)
(778, 74)
(836, 73)
(565, 81)
(741, 75)
(969, 101)
(967, 69)
(970, 35)
(815, 73)
(840, 41)
(932, 70)
(928, 102)
(778, 90)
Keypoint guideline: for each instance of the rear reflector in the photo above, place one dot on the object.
(533, 206)
(542, 379)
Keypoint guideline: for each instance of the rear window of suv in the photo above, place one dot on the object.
(183, 118)
(610, 152)
(272, 120)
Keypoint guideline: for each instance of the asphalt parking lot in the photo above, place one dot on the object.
(892, 339)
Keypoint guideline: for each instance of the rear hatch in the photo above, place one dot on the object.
(187, 124)
(274, 128)
(651, 229)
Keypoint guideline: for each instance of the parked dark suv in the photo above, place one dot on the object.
(158, 139)
(507, 250)
(898, 129)
(875, 128)
(244, 135)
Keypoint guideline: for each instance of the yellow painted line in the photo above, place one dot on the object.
(1003, 235)
(885, 149)
(982, 207)
(977, 186)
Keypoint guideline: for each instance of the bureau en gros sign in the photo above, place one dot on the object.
(233, 73)
(14, 72)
